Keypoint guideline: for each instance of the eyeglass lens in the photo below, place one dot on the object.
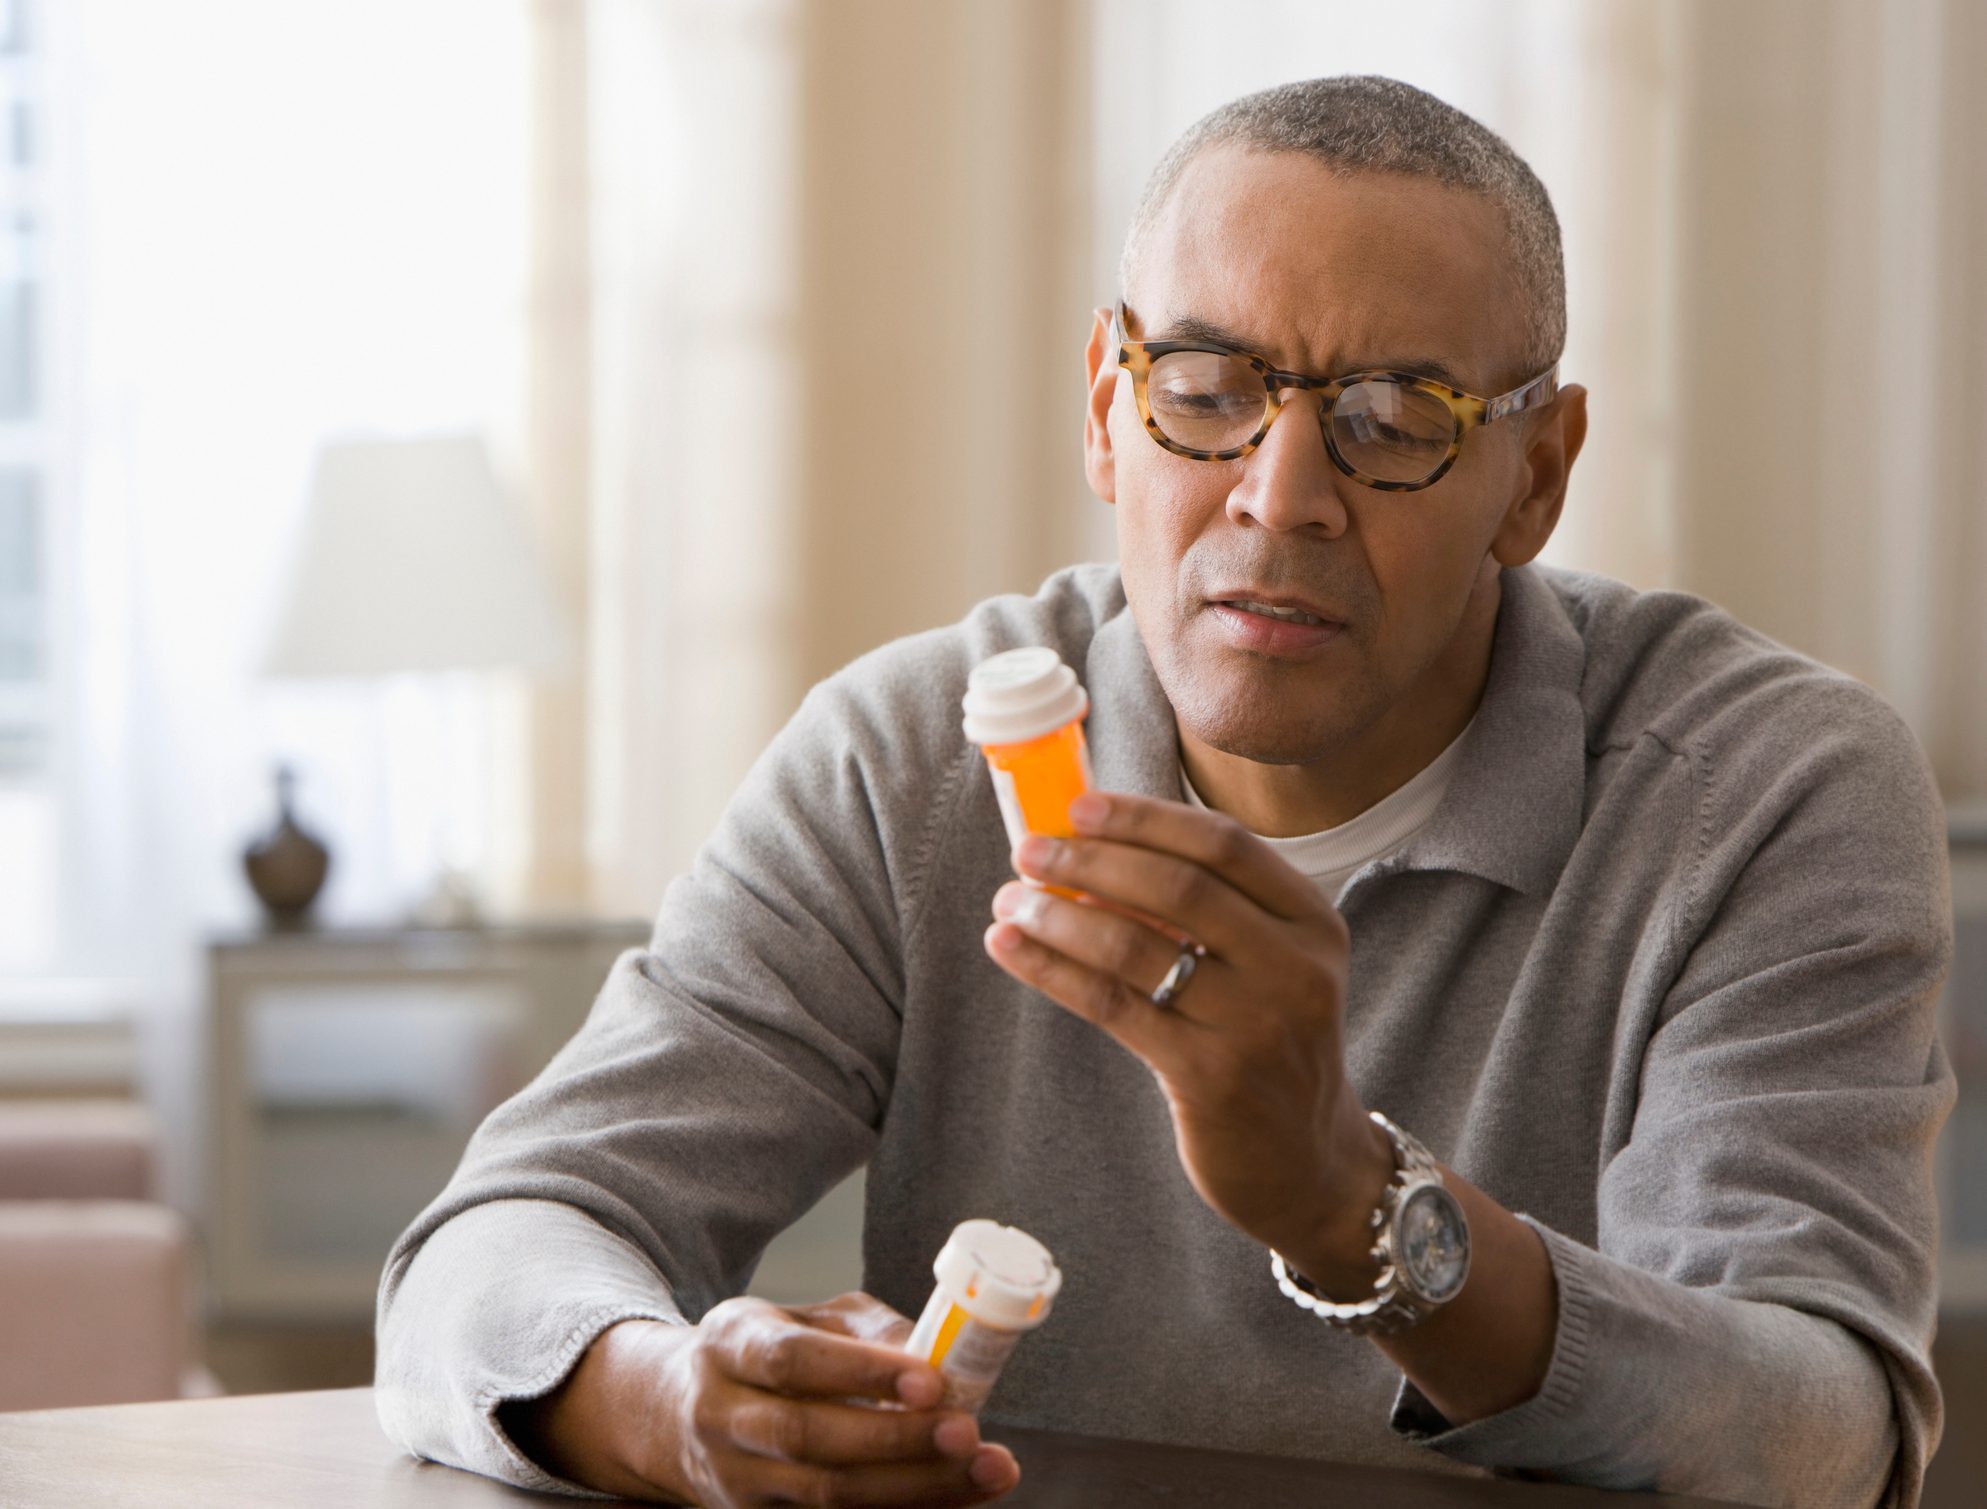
(1207, 401)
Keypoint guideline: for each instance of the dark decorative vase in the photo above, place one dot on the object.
(286, 867)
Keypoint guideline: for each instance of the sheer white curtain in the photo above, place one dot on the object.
(280, 223)
(1774, 217)
(694, 185)
(839, 306)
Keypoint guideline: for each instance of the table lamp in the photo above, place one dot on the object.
(412, 561)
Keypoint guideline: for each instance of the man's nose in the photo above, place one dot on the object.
(1289, 481)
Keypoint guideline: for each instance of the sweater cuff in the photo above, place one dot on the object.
(524, 1470)
(496, 1307)
(1515, 1434)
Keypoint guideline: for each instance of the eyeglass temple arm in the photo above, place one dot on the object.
(1539, 390)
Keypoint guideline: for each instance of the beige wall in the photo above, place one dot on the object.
(944, 252)
(559, 440)
(1832, 227)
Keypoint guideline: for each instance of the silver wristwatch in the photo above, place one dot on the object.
(1421, 1242)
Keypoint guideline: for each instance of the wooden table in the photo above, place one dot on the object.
(300, 1451)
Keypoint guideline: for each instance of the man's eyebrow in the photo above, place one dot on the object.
(1422, 367)
(1191, 327)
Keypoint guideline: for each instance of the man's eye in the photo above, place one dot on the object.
(1370, 429)
(1405, 440)
(1200, 403)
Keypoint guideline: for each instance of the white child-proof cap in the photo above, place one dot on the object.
(998, 1274)
(1020, 695)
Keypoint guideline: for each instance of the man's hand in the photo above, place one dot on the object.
(1251, 1057)
(760, 1405)
(1250, 1053)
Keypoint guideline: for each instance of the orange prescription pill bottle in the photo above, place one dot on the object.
(1025, 710)
(994, 1284)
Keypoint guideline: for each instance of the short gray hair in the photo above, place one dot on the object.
(1365, 123)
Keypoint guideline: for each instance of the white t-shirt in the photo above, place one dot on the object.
(1330, 857)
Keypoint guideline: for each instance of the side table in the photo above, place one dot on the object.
(349, 1067)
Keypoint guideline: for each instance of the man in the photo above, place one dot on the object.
(1633, 919)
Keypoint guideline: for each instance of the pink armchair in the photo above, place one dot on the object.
(94, 1274)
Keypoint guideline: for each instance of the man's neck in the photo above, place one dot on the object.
(1286, 801)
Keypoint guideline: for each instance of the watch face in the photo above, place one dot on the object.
(1434, 1243)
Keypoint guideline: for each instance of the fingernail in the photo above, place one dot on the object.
(1025, 909)
(918, 1389)
(1089, 808)
(957, 1437)
(1037, 851)
(991, 1468)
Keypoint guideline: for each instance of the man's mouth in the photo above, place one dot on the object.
(1279, 627)
(1289, 614)
(1268, 610)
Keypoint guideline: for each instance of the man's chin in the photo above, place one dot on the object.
(1270, 733)
(1253, 707)
(1281, 747)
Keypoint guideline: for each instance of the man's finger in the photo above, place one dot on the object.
(931, 1485)
(1186, 896)
(1160, 1036)
(775, 1352)
(840, 1435)
(1107, 942)
(1209, 839)
(860, 1315)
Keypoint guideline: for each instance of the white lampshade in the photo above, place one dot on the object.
(411, 560)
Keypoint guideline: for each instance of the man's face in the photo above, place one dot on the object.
(1322, 275)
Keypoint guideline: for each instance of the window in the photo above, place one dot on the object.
(23, 688)
(24, 614)
(27, 797)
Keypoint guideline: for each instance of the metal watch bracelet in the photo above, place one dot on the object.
(1394, 1305)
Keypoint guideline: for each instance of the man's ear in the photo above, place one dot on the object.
(1551, 447)
(1099, 466)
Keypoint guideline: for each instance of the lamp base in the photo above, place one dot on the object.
(286, 867)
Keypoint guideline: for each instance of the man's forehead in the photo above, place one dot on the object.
(1321, 270)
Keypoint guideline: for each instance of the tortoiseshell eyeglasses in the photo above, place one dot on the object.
(1390, 430)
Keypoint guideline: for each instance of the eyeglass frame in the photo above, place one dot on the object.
(1469, 411)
